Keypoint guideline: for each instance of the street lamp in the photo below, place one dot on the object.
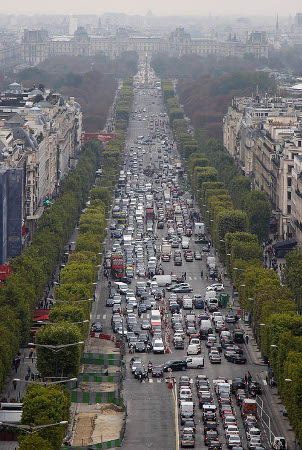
(288, 380)
(274, 346)
(74, 301)
(45, 322)
(56, 349)
(33, 428)
(45, 383)
(236, 268)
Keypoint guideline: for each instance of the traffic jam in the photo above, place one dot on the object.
(170, 304)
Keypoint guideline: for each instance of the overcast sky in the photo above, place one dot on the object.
(158, 7)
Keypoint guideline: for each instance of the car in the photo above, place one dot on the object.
(214, 358)
(145, 325)
(239, 359)
(210, 435)
(96, 327)
(190, 424)
(216, 287)
(252, 432)
(140, 347)
(109, 302)
(230, 318)
(157, 371)
(187, 440)
(215, 445)
(175, 365)
(179, 343)
(233, 441)
(177, 261)
(232, 430)
(254, 442)
(210, 425)
(183, 288)
(197, 256)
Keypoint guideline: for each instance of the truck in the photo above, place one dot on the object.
(248, 407)
(117, 265)
(199, 228)
(166, 249)
(238, 336)
(162, 280)
(150, 215)
(155, 326)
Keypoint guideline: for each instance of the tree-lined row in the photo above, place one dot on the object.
(272, 306)
(69, 317)
(23, 290)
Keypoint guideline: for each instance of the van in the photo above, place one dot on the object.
(205, 328)
(158, 346)
(195, 362)
(155, 314)
(162, 280)
(185, 242)
(187, 303)
(186, 407)
(210, 294)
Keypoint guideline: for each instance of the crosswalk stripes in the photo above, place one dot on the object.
(190, 278)
(195, 278)
(264, 382)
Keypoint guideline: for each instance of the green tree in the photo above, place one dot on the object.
(46, 405)
(65, 362)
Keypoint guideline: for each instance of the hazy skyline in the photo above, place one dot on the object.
(158, 7)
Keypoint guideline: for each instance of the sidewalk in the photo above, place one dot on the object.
(14, 392)
(276, 408)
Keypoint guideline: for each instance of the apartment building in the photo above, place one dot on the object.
(264, 136)
(42, 140)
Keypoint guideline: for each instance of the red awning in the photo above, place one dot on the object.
(45, 317)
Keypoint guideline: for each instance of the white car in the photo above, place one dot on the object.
(193, 349)
(216, 287)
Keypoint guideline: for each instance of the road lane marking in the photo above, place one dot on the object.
(150, 380)
(174, 393)
(98, 316)
(264, 382)
(190, 278)
(104, 316)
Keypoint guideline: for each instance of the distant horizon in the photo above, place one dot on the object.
(218, 8)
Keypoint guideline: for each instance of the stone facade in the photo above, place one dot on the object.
(43, 140)
(264, 136)
(36, 46)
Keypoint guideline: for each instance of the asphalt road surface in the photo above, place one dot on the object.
(152, 419)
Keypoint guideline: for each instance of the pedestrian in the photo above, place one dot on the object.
(185, 275)
(249, 377)
(164, 293)
(245, 378)
(28, 370)
(15, 384)
(31, 354)
(247, 339)
(201, 273)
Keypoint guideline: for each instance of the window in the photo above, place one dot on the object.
(289, 182)
(289, 196)
(299, 143)
(289, 209)
(289, 169)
